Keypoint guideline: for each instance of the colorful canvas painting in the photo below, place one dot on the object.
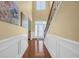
(9, 12)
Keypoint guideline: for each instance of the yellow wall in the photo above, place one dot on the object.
(66, 22)
(39, 15)
(9, 30)
(26, 8)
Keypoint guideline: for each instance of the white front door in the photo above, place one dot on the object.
(39, 29)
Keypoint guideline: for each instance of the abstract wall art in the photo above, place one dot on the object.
(9, 12)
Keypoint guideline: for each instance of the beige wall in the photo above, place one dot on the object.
(66, 22)
(39, 15)
(26, 8)
(10, 30)
(29, 10)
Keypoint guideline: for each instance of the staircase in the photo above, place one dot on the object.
(54, 8)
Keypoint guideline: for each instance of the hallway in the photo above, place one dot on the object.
(36, 49)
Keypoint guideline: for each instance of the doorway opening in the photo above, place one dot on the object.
(39, 29)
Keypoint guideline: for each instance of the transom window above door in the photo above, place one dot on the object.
(40, 5)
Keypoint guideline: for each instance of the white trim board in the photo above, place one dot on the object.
(61, 47)
(13, 37)
(62, 38)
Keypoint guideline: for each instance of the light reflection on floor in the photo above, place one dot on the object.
(36, 49)
(39, 49)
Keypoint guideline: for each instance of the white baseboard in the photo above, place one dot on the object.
(62, 47)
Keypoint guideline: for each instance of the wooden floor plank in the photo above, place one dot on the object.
(36, 49)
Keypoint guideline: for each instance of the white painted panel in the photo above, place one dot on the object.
(71, 45)
(67, 53)
(24, 46)
(14, 46)
(68, 49)
(51, 45)
(62, 47)
(10, 52)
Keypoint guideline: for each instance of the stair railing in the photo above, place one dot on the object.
(54, 6)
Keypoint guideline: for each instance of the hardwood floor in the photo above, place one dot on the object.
(36, 49)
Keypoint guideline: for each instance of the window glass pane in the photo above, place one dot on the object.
(40, 5)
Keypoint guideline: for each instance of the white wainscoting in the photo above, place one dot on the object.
(13, 47)
(60, 47)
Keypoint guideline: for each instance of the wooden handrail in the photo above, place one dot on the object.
(47, 25)
(51, 14)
